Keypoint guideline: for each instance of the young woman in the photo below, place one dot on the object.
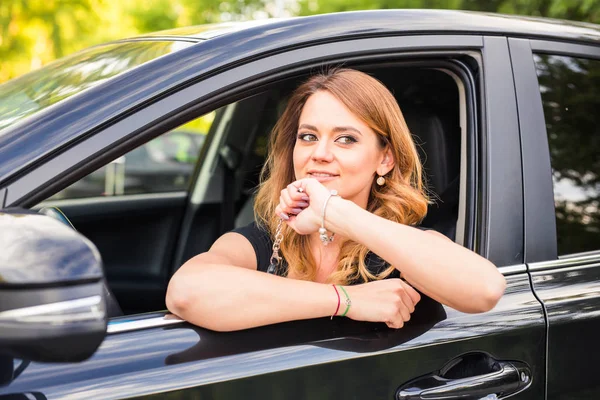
(340, 195)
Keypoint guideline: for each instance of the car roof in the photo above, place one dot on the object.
(405, 21)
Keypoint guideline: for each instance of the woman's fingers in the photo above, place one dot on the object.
(390, 301)
(281, 214)
(405, 313)
(400, 315)
(290, 202)
(296, 192)
(410, 291)
(395, 324)
(293, 206)
(408, 301)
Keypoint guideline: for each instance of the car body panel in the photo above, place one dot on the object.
(502, 193)
(568, 286)
(366, 361)
(537, 171)
(570, 290)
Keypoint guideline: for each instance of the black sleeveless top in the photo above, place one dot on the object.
(263, 247)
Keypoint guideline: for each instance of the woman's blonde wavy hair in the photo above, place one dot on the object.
(402, 199)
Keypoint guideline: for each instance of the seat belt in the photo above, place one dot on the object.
(230, 158)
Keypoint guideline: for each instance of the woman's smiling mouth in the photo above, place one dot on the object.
(322, 176)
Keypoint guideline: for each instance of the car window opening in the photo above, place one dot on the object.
(433, 105)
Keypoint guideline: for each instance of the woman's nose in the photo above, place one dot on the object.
(322, 152)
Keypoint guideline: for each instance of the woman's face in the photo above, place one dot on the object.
(335, 147)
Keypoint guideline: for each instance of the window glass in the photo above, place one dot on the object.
(570, 89)
(165, 164)
(33, 92)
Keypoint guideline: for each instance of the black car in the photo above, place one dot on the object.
(505, 112)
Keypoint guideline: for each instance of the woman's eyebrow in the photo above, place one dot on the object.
(336, 129)
(309, 127)
(346, 129)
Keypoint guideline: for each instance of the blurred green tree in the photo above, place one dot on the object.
(34, 32)
(578, 10)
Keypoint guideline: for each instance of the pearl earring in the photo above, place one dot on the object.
(381, 181)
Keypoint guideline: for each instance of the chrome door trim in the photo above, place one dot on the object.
(566, 261)
(512, 269)
(120, 325)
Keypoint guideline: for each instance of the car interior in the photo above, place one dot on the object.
(143, 238)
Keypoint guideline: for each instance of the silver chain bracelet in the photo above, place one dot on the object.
(322, 231)
(276, 258)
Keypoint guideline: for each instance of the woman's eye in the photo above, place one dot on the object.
(307, 137)
(346, 140)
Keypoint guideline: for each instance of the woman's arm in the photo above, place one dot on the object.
(438, 267)
(435, 265)
(221, 290)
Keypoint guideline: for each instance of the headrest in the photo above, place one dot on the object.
(438, 148)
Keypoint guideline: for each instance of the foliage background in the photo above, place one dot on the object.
(35, 32)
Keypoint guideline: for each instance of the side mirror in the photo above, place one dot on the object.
(52, 304)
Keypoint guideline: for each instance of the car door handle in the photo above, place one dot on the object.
(493, 380)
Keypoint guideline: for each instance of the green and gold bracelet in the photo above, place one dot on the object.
(348, 301)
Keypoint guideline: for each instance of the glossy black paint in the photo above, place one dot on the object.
(297, 360)
(38, 250)
(500, 156)
(571, 296)
(569, 287)
(34, 329)
(485, 375)
(537, 173)
(81, 115)
(45, 263)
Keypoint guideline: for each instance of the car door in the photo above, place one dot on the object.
(439, 352)
(557, 88)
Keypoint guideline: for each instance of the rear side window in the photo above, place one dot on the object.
(164, 164)
(570, 89)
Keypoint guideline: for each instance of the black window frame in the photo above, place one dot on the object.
(540, 216)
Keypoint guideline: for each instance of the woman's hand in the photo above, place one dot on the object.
(301, 210)
(389, 300)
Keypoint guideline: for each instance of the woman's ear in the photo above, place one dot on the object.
(387, 163)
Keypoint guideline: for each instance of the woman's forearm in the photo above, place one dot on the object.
(226, 298)
(438, 267)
